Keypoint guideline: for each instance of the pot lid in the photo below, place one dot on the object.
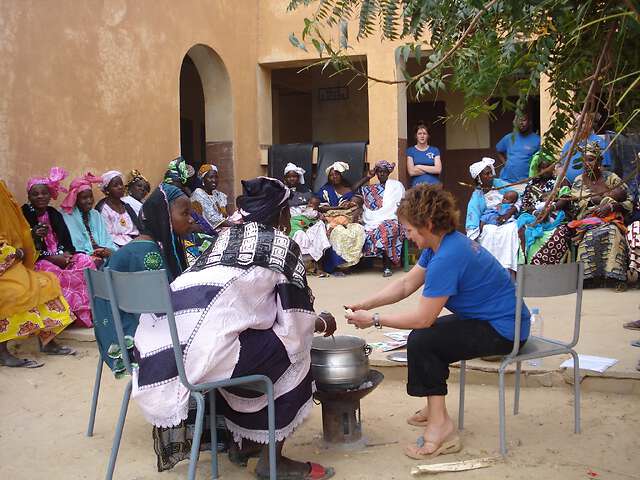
(337, 342)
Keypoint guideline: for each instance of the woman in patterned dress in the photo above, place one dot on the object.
(212, 202)
(121, 219)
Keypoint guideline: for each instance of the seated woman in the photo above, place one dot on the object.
(384, 233)
(348, 238)
(213, 203)
(87, 228)
(242, 312)
(545, 242)
(601, 200)
(31, 303)
(178, 174)
(166, 217)
(121, 219)
(137, 188)
(502, 239)
(53, 243)
(454, 273)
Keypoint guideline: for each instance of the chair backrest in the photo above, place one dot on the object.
(148, 292)
(353, 153)
(537, 281)
(300, 154)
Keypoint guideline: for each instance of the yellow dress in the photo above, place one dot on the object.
(31, 303)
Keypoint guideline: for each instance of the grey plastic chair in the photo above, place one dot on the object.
(535, 281)
(148, 292)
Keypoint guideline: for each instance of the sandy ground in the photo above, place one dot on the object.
(46, 412)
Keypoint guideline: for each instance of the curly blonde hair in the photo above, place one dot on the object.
(430, 203)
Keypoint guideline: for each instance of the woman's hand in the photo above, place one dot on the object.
(326, 323)
(40, 230)
(60, 261)
(102, 252)
(359, 318)
(604, 210)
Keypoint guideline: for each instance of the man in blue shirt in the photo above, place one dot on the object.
(576, 166)
(515, 149)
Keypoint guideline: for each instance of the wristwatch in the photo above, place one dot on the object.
(376, 321)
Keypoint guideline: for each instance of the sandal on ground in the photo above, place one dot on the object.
(322, 274)
(635, 325)
(57, 350)
(451, 444)
(23, 363)
(621, 287)
(417, 419)
(387, 272)
(635, 343)
(316, 472)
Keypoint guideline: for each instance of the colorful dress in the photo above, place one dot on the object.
(212, 205)
(123, 227)
(384, 232)
(633, 238)
(71, 278)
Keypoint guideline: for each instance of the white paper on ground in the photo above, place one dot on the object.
(591, 362)
(397, 336)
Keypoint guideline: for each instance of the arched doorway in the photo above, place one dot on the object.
(206, 118)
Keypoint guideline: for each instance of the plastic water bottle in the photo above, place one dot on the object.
(536, 331)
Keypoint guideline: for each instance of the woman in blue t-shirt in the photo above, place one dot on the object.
(423, 160)
(457, 273)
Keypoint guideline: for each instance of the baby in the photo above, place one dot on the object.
(307, 218)
(312, 211)
(494, 216)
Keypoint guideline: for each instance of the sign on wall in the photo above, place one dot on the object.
(332, 94)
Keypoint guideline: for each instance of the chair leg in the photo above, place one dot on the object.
(214, 434)
(405, 255)
(271, 411)
(197, 435)
(463, 372)
(501, 414)
(94, 400)
(516, 397)
(118, 435)
(576, 391)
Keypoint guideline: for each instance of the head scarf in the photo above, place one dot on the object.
(476, 168)
(539, 156)
(206, 168)
(56, 175)
(384, 165)
(262, 200)
(133, 176)
(78, 185)
(338, 167)
(107, 177)
(156, 222)
(292, 167)
(592, 148)
(177, 171)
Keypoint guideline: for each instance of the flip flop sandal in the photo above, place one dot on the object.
(323, 275)
(635, 343)
(451, 444)
(414, 420)
(316, 472)
(61, 350)
(25, 363)
(635, 325)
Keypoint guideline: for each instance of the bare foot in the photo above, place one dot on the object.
(419, 419)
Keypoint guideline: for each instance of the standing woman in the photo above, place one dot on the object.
(456, 273)
(31, 303)
(166, 217)
(212, 201)
(137, 188)
(121, 219)
(423, 160)
(53, 242)
(87, 228)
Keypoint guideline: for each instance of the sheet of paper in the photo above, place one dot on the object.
(397, 336)
(591, 362)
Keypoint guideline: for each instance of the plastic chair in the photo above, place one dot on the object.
(537, 281)
(148, 292)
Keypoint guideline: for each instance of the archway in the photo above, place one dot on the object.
(206, 118)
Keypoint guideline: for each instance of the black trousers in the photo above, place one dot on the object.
(431, 350)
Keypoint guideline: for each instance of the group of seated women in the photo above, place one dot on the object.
(341, 223)
(588, 216)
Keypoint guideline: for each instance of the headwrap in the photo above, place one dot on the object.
(107, 177)
(206, 168)
(476, 168)
(262, 199)
(156, 222)
(177, 171)
(56, 175)
(292, 167)
(133, 176)
(384, 165)
(592, 148)
(538, 157)
(338, 167)
(78, 185)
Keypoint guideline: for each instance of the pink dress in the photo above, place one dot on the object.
(71, 278)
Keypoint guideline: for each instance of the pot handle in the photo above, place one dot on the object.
(367, 349)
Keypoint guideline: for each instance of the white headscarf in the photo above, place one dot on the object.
(292, 167)
(476, 168)
(338, 167)
(108, 176)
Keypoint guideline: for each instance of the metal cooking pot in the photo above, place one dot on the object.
(340, 362)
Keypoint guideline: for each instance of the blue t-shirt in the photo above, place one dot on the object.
(426, 157)
(478, 287)
(518, 149)
(576, 168)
